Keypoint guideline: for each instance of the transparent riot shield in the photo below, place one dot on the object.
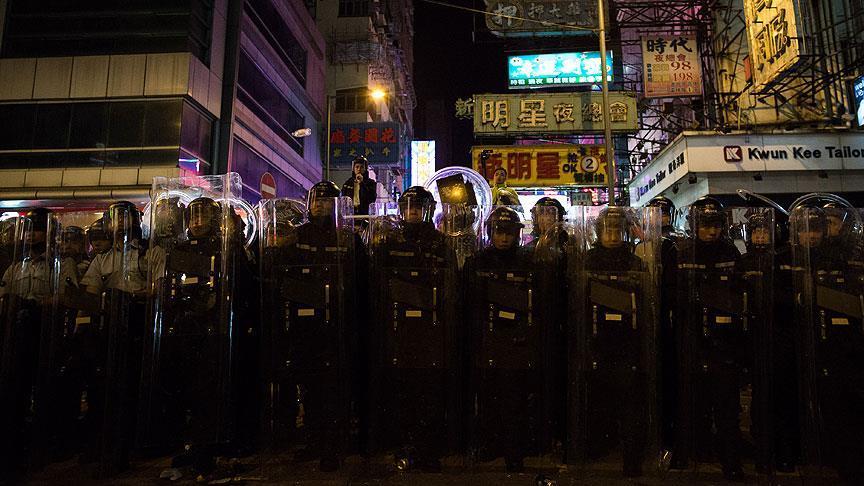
(506, 346)
(549, 251)
(414, 392)
(723, 321)
(199, 319)
(462, 226)
(612, 404)
(756, 229)
(312, 360)
(60, 385)
(112, 329)
(25, 295)
(830, 300)
(465, 200)
(279, 221)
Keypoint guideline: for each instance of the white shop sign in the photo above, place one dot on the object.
(706, 154)
(661, 173)
(766, 153)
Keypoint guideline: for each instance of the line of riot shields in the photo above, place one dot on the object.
(619, 341)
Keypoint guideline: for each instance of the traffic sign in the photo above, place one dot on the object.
(268, 186)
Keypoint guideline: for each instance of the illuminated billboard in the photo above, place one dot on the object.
(559, 69)
(422, 161)
(858, 90)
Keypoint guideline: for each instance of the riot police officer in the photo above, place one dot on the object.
(116, 281)
(414, 360)
(190, 379)
(546, 214)
(24, 299)
(72, 247)
(838, 238)
(757, 267)
(710, 321)
(312, 361)
(612, 331)
(668, 348)
(832, 347)
(506, 351)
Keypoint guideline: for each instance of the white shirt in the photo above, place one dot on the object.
(109, 271)
(31, 278)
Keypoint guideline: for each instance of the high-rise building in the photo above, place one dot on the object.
(97, 98)
(370, 48)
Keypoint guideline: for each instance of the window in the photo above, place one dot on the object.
(257, 92)
(19, 126)
(251, 166)
(353, 8)
(278, 34)
(352, 100)
(52, 125)
(162, 123)
(87, 134)
(89, 125)
(196, 135)
(126, 124)
(44, 28)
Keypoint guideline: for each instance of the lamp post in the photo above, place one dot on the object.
(611, 169)
(376, 94)
(330, 99)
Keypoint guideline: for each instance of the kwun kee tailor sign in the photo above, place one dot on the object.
(696, 153)
(793, 152)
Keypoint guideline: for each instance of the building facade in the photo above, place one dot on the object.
(370, 47)
(93, 111)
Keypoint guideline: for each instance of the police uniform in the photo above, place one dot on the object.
(713, 323)
(506, 352)
(313, 368)
(615, 328)
(833, 347)
(414, 369)
(26, 313)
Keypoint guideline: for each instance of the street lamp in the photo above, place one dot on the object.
(377, 94)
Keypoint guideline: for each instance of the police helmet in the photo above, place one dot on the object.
(321, 190)
(127, 213)
(38, 217)
(807, 219)
(550, 202)
(418, 196)
(504, 219)
(706, 211)
(97, 232)
(667, 207)
(70, 233)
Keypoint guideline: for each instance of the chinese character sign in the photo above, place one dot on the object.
(561, 69)
(772, 31)
(422, 161)
(544, 165)
(671, 66)
(514, 18)
(559, 113)
(378, 142)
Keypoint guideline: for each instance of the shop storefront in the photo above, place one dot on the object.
(782, 166)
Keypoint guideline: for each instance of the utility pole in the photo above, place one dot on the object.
(611, 169)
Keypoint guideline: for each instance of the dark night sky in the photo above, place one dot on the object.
(449, 65)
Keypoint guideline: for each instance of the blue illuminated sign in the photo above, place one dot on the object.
(858, 89)
(559, 69)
